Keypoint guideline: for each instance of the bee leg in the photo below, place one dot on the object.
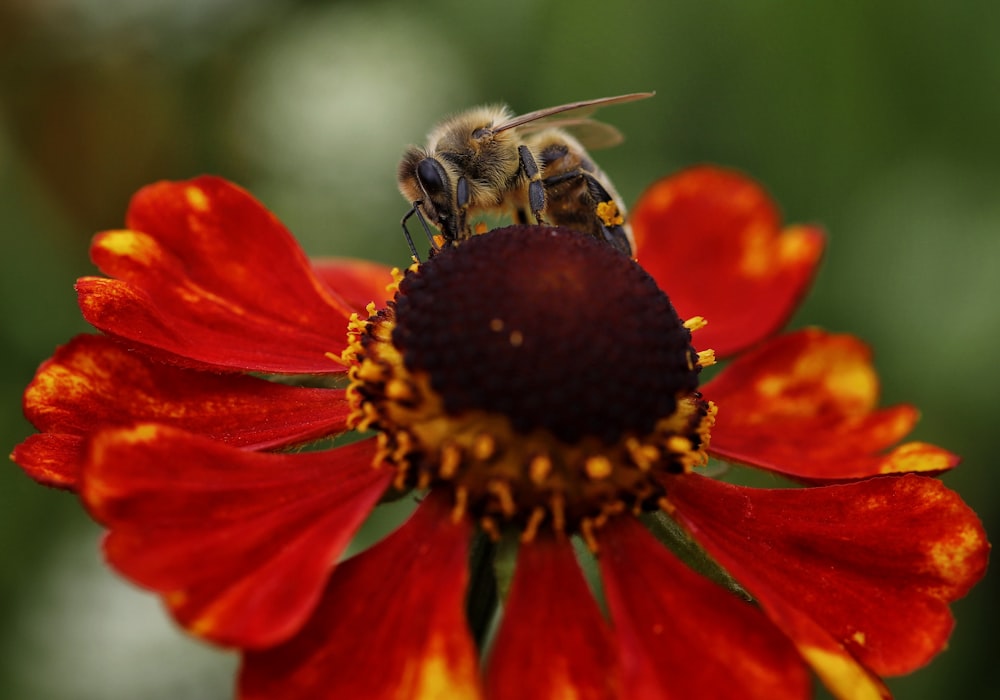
(609, 214)
(536, 188)
(415, 209)
(616, 237)
(462, 207)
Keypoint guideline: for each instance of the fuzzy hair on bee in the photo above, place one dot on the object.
(487, 161)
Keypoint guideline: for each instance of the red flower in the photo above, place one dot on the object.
(535, 386)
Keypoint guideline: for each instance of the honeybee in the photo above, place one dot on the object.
(486, 160)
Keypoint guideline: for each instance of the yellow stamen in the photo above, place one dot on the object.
(695, 323)
(461, 500)
(399, 483)
(423, 481)
(399, 390)
(534, 520)
(598, 467)
(501, 489)
(339, 359)
(489, 526)
(587, 532)
(370, 372)
(679, 444)
(644, 456)
(451, 459)
(706, 358)
(666, 506)
(397, 277)
(484, 447)
(558, 505)
(500, 477)
(540, 468)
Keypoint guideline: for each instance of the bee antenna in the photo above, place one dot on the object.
(415, 209)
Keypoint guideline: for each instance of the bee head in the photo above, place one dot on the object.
(424, 179)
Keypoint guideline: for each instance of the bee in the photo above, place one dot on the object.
(486, 160)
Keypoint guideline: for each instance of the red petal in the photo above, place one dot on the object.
(239, 543)
(874, 563)
(391, 624)
(93, 383)
(683, 636)
(712, 240)
(209, 277)
(553, 639)
(357, 282)
(804, 405)
(52, 460)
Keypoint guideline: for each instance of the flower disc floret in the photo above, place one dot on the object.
(532, 414)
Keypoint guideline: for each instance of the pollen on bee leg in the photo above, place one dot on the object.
(608, 213)
(534, 520)
(695, 323)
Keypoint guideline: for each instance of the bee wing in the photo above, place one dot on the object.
(592, 135)
(581, 110)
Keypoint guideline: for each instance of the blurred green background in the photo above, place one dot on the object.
(877, 120)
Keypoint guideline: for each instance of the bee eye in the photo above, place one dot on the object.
(432, 176)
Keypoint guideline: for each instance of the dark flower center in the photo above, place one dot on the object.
(540, 375)
(552, 329)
